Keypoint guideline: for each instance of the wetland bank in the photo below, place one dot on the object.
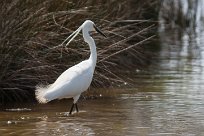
(166, 97)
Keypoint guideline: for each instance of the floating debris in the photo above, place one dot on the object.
(11, 122)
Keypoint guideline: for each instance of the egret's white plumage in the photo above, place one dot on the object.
(75, 80)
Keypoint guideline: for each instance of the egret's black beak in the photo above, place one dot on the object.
(99, 31)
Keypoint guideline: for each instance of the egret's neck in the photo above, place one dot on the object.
(88, 39)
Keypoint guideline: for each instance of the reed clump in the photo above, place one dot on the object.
(31, 33)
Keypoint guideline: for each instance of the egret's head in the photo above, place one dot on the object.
(90, 26)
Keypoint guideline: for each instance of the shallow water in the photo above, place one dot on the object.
(168, 100)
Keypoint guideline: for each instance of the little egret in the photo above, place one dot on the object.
(75, 80)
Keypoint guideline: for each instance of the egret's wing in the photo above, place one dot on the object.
(74, 71)
(72, 82)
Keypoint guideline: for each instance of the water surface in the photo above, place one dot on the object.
(168, 100)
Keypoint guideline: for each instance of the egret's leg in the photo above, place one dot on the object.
(75, 101)
(76, 108)
(70, 112)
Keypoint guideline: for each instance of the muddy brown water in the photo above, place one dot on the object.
(168, 100)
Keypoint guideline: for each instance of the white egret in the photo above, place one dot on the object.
(75, 80)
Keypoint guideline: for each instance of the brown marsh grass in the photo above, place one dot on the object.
(31, 33)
